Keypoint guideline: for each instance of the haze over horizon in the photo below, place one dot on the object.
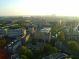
(39, 7)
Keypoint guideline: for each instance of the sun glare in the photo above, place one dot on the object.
(45, 7)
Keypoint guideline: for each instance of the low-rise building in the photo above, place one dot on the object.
(39, 39)
(56, 56)
(2, 33)
(71, 33)
(13, 49)
(14, 33)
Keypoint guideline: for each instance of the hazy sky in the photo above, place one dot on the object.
(39, 7)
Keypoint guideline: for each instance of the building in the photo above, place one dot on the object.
(2, 33)
(13, 49)
(71, 33)
(56, 56)
(39, 39)
(43, 35)
(31, 28)
(14, 33)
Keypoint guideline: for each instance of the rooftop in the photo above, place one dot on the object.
(47, 30)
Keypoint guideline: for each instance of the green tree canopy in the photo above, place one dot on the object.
(73, 45)
(2, 42)
(25, 52)
(61, 36)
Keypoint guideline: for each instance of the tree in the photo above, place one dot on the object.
(61, 36)
(25, 52)
(51, 49)
(74, 57)
(2, 42)
(23, 57)
(48, 49)
(74, 46)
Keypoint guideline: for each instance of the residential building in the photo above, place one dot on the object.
(2, 33)
(71, 33)
(13, 49)
(44, 35)
(14, 33)
(56, 56)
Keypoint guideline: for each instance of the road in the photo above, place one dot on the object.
(27, 37)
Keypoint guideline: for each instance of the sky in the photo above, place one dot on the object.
(39, 7)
